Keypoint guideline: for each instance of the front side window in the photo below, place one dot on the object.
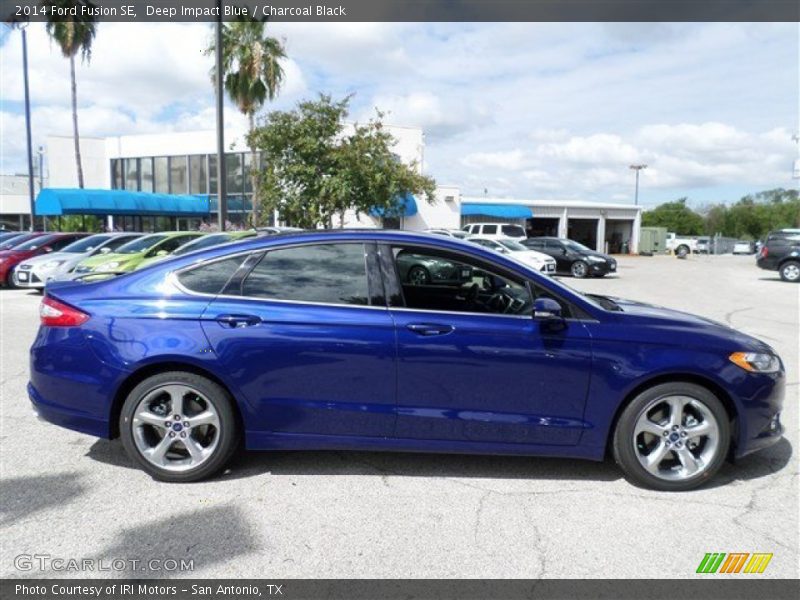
(325, 273)
(141, 244)
(437, 281)
(86, 244)
(59, 243)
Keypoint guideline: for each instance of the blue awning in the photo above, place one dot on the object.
(407, 207)
(55, 202)
(505, 211)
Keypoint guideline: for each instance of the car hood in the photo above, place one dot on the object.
(16, 254)
(43, 258)
(96, 261)
(701, 326)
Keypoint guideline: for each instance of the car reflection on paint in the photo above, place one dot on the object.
(417, 269)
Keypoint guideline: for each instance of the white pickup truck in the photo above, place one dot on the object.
(681, 246)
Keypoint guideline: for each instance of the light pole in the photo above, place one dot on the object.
(22, 27)
(222, 197)
(637, 168)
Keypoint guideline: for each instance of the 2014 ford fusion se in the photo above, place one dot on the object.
(313, 340)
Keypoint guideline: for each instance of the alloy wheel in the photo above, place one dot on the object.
(676, 438)
(791, 272)
(579, 269)
(175, 427)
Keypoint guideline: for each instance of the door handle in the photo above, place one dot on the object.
(429, 329)
(237, 321)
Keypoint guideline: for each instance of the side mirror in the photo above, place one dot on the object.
(105, 250)
(162, 253)
(48, 249)
(546, 309)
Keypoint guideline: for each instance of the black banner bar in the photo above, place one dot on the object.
(714, 587)
(412, 10)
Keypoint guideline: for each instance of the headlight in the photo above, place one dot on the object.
(108, 266)
(595, 259)
(756, 362)
(53, 264)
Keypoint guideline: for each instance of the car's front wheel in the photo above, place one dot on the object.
(790, 271)
(179, 426)
(579, 269)
(672, 437)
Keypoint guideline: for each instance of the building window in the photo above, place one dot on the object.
(146, 174)
(212, 174)
(178, 175)
(234, 173)
(161, 168)
(197, 174)
(132, 174)
(117, 181)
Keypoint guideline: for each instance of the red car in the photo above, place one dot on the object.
(33, 245)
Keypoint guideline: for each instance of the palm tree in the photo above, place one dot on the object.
(73, 37)
(252, 75)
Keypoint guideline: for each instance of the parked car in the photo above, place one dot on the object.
(538, 260)
(743, 247)
(781, 252)
(36, 272)
(455, 233)
(206, 241)
(572, 257)
(315, 341)
(130, 255)
(681, 246)
(34, 246)
(421, 269)
(17, 239)
(496, 230)
(275, 229)
(7, 237)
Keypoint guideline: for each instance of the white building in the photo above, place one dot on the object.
(185, 163)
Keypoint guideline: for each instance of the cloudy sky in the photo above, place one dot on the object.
(521, 110)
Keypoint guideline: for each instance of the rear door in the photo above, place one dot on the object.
(307, 338)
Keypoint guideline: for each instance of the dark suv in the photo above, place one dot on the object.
(572, 257)
(781, 252)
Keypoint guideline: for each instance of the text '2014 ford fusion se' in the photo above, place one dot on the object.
(327, 340)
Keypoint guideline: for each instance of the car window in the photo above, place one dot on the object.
(85, 244)
(436, 281)
(175, 242)
(324, 273)
(513, 231)
(116, 242)
(535, 244)
(490, 229)
(553, 245)
(59, 243)
(206, 241)
(210, 278)
(141, 244)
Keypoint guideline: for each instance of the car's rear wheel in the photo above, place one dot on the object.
(418, 276)
(790, 271)
(179, 426)
(579, 269)
(682, 251)
(672, 437)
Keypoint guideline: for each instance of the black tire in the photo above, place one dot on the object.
(228, 433)
(10, 280)
(682, 251)
(790, 271)
(625, 453)
(418, 275)
(579, 269)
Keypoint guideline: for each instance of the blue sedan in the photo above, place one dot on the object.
(314, 341)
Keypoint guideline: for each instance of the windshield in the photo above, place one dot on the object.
(513, 245)
(513, 230)
(12, 241)
(34, 243)
(86, 244)
(141, 244)
(204, 242)
(576, 247)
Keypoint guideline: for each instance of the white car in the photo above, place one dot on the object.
(513, 249)
(743, 247)
(496, 231)
(37, 271)
(454, 233)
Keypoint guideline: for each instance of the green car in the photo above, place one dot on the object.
(207, 241)
(130, 255)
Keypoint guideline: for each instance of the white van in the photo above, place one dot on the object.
(496, 231)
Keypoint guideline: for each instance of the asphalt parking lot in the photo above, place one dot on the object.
(341, 514)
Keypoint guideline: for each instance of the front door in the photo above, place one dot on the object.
(473, 364)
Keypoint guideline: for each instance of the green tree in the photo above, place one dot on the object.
(313, 170)
(252, 75)
(754, 215)
(73, 36)
(675, 216)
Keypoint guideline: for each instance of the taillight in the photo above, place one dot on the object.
(53, 313)
(764, 252)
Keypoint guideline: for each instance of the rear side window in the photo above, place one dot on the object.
(513, 231)
(60, 243)
(490, 229)
(210, 278)
(325, 273)
(117, 242)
